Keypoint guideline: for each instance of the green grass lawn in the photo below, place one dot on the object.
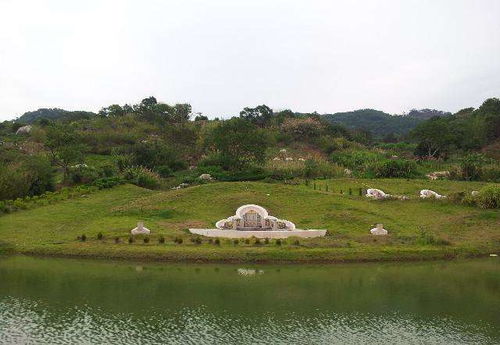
(419, 229)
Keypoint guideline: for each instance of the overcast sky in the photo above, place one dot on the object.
(221, 56)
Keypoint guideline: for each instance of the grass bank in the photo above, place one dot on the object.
(419, 229)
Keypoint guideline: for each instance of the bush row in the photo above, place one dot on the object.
(8, 206)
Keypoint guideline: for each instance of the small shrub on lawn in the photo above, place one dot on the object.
(161, 240)
(197, 240)
(236, 242)
(178, 240)
(100, 236)
(146, 240)
(83, 238)
(217, 242)
(131, 239)
(278, 242)
(247, 241)
(257, 242)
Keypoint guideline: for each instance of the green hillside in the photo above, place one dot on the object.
(419, 229)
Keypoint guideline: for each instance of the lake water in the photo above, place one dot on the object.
(66, 301)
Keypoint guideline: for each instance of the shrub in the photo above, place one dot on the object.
(178, 240)
(257, 242)
(197, 240)
(107, 182)
(82, 173)
(153, 154)
(489, 197)
(100, 236)
(394, 168)
(164, 171)
(146, 239)
(83, 238)
(131, 239)
(123, 161)
(108, 170)
(217, 242)
(161, 240)
(28, 176)
(491, 173)
(142, 177)
(247, 241)
(355, 159)
(302, 129)
(278, 242)
(236, 241)
(471, 166)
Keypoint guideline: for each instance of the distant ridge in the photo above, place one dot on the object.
(381, 123)
(54, 114)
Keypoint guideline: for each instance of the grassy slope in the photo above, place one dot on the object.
(52, 229)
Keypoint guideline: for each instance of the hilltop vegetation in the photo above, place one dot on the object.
(159, 146)
(54, 114)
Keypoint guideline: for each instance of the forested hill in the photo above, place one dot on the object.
(380, 123)
(54, 114)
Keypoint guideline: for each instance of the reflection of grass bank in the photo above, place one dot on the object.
(419, 229)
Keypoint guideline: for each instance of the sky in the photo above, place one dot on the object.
(223, 55)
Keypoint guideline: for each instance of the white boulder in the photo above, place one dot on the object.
(206, 177)
(427, 193)
(474, 193)
(376, 194)
(379, 230)
(140, 229)
(24, 130)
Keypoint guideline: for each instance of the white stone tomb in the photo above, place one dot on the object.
(254, 221)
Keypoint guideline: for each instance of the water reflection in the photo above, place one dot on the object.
(55, 301)
(249, 271)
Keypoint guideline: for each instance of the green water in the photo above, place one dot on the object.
(66, 301)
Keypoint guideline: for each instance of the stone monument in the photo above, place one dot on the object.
(254, 221)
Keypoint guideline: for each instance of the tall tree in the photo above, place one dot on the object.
(261, 115)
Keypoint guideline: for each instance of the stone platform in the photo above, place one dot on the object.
(258, 233)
